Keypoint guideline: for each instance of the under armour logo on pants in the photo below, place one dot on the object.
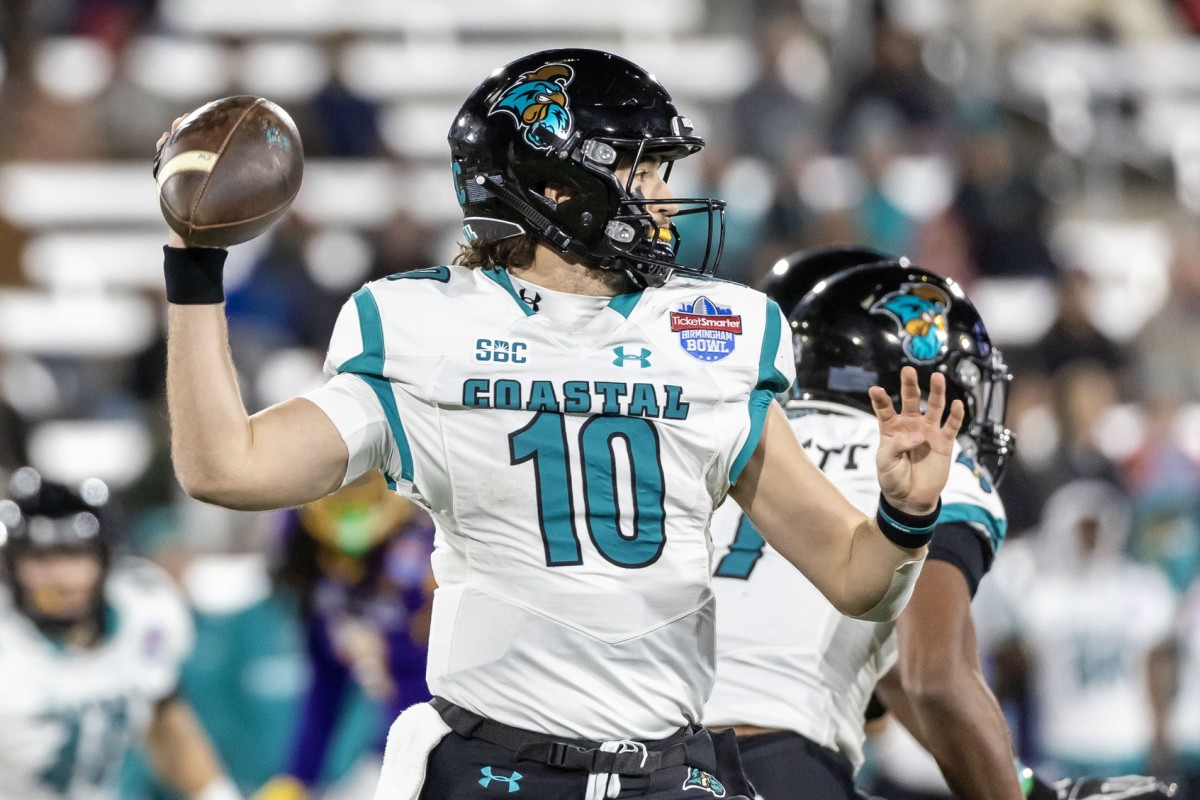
(489, 776)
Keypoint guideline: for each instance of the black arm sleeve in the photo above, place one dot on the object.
(959, 544)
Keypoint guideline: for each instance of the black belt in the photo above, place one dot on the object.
(579, 754)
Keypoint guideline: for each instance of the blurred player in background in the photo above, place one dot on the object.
(359, 560)
(571, 403)
(1091, 624)
(90, 651)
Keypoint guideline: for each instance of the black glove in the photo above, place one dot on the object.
(1126, 787)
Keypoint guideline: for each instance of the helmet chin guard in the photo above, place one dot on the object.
(570, 118)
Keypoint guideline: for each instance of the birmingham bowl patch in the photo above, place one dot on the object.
(707, 331)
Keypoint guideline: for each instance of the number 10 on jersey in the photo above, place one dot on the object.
(595, 457)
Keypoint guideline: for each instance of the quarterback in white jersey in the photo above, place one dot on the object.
(90, 654)
(622, 416)
(571, 403)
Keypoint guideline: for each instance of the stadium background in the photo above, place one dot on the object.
(1045, 153)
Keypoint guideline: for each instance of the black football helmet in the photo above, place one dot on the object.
(794, 275)
(40, 515)
(567, 117)
(860, 327)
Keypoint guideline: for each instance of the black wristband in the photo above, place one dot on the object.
(909, 531)
(193, 275)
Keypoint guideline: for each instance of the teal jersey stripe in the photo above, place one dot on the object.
(623, 303)
(370, 360)
(770, 383)
(368, 365)
(768, 376)
(499, 276)
(996, 529)
(760, 401)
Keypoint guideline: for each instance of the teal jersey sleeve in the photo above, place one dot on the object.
(776, 373)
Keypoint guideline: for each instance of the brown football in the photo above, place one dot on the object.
(229, 171)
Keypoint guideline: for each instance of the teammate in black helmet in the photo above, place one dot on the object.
(796, 692)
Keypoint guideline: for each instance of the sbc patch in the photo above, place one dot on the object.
(707, 332)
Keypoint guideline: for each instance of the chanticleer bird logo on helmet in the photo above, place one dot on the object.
(920, 310)
(538, 101)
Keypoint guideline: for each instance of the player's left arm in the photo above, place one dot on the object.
(952, 711)
(182, 756)
(846, 554)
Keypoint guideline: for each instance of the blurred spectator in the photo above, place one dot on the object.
(895, 84)
(1083, 393)
(1167, 349)
(1073, 338)
(879, 139)
(1167, 534)
(1160, 465)
(769, 119)
(343, 124)
(1002, 213)
(1090, 620)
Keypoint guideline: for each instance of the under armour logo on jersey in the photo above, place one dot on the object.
(489, 776)
(532, 302)
(699, 779)
(642, 358)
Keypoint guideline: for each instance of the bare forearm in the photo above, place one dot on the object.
(967, 735)
(210, 430)
(179, 751)
(941, 692)
(287, 455)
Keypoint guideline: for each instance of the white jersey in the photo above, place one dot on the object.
(571, 471)
(1089, 634)
(67, 717)
(786, 658)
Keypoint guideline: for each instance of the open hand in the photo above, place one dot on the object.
(914, 448)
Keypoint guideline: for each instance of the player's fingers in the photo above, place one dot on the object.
(166, 134)
(936, 404)
(881, 403)
(910, 392)
(955, 420)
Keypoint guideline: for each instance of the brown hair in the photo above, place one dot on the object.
(514, 251)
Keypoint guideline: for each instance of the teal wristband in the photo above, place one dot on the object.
(906, 530)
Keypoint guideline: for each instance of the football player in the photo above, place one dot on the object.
(570, 402)
(795, 686)
(90, 650)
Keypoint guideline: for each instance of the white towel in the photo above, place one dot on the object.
(411, 739)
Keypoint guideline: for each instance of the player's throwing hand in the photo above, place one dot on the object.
(915, 447)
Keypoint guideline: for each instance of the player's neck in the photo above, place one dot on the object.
(551, 271)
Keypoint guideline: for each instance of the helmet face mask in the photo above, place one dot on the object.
(572, 119)
(860, 327)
